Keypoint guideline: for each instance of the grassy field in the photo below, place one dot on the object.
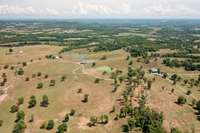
(63, 96)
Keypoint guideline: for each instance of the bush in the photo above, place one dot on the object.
(46, 76)
(32, 102)
(20, 100)
(20, 116)
(1, 123)
(63, 78)
(19, 127)
(181, 100)
(85, 99)
(188, 92)
(39, 74)
(93, 121)
(24, 64)
(66, 119)
(40, 85)
(198, 106)
(50, 125)
(175, 130)
(45, 101)
(72, 112)
(97, 80)
(52, 83)
(27, 79)
(62, 128)
(104, 119)
(20, 71)
(14, 108)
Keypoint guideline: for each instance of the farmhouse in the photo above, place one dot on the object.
(154, 71)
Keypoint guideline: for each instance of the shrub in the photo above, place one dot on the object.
(63, 78)
(20, 100)
(45, 101)
(62, 128)
(72, 112)
(66, 119)
(1, 123)
(32, 102)
(14, 108)
(27, 79)
(46, 76)
(40, 85)
(24, 64)
(19, 127)
(103, 57)
(39, 74)
(20, 71)
(181, 100)
(104, 119)
(188, 92)
(93, 121)
(50, 125)
(97, 80)
(175, 130)
(85, 99)
(20, 116)
(52, 83)
(198, 106)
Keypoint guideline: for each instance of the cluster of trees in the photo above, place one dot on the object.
(20, 124)
(103, 119)
(189, 65)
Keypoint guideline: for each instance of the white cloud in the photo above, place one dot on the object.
(101, 8)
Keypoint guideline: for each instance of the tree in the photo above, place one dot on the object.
(32, 118)
(32, 102)
(20, 71)
(19, 127)
(20, 100)
(188, 92)
(27, 79)
(63, 78)
(175, 130)
(72, 112)
(104, 119)
(20, 116)
(85, 99)
(40, 85)
(14, 108)
(66, 119)
(125, 128)
(45, 101)
(130, 62)
(1, 123)
(93, 64)
(10, 50)
(149, 83)
(39, 74)
(96, 80)
(52, 83)
(62, 128)
(181, 100)
(93, 121)
(46, 76)
(24, 64)
(198, 106)
(50, 125)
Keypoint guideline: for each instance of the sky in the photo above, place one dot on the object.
(127, 9)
